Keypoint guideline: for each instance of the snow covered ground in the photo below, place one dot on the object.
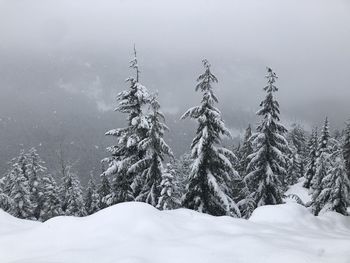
(136, 232)
(300, 191)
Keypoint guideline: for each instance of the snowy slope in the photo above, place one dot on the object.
(137, 232)
(300, 191)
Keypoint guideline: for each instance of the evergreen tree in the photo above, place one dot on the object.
(346, 149)
(313, 154)
(297, 139)
(6, 203)
(50, 201)
(20, 194)
(168, 199)
(72, 195)
(35, 169)
(212, 171)
(334, 194)
(322, 161)
(92, 198)
(236, 150)
(267, 164)
(150, 167)
(245, 151)
(294, 166)
(126, 185)
(182, 169)
(245, 200)
(104, 192)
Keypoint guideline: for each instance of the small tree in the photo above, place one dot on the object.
(6, 202)
(334, 194)
(91, 197)
(182, 169)
(104, 192)
(267, 164)
(294, 166)
(346, 149)
(72, 195)
(212, 171)
(20, 195)
(313, 155)
(168, 199)
(322, 161)
(35, 168)
(245, 151)
(50, 201)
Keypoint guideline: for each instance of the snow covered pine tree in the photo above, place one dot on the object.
(322, 162)
(245, 151)
(126, 185)
(334, 194)
(35, 169)
(168, 199)
(50, 201)
(72, 195)
(104, 191)
(267, 166)
(18, 189)
(346, 149)
(208, 190)
(91, 197)
(150, 167)
(297, 144)
(313, 154)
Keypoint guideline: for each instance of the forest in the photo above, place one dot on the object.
(211, 178)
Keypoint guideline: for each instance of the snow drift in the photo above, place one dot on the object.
(136, 232)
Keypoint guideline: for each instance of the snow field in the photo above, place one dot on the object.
(138, 233)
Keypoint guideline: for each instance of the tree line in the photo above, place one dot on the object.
(211, 179)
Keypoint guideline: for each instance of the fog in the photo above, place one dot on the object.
(63, 62)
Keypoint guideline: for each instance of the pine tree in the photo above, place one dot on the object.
(50, 201)
(6, 202)
(313, 155)
(150, 167)
(104, 192)
(322, 161)
(212, 171)
(245, 200)
(20, 194)
(168, 199)
(125, 153)
(236, 150)
(72, 195)
(346, 149)
(267, 164)
(35, 169)
(294, 166)
(92, 198)
(297, 138)
(334, 194)
(245, 151)
(182, 169)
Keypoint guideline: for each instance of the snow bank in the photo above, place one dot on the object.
(136, 232)
(10, 224)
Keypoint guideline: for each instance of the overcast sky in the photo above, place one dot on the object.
(83, 47)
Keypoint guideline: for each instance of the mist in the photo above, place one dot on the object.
(63, 62)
